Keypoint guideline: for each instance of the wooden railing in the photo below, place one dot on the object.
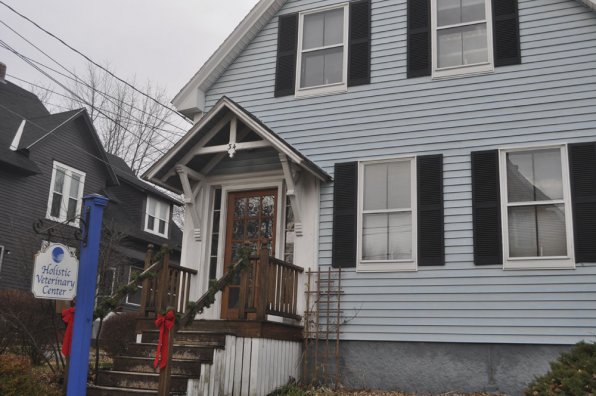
(170, 288)
(269, 286)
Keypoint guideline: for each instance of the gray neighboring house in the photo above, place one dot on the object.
(48, 162)
(461, 140)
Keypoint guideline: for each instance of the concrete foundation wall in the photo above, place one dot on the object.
(435, 367)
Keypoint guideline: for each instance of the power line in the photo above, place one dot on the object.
(24, 58)
(76, 79)
(92, 61)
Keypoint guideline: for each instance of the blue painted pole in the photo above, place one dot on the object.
(93, 206)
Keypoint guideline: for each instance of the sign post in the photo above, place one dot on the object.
(81, 339)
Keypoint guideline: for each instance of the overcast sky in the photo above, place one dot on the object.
(165, 41)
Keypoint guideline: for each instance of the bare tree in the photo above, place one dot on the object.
(131, 126)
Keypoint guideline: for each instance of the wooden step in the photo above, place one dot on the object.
(185, 337)
(139, 381)
(96, 390)
(190, 368)
(188, 352)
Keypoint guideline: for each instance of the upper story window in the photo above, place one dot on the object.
(66, 194)
(449, 38)
(461, 37)
(322, 51)
(387, 215)
(157, 217)
(536, 208)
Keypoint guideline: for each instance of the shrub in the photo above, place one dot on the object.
(28, 324)
(573, 373)
(17, 378)
(117, 332)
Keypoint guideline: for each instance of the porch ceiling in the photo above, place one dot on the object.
(227, 134)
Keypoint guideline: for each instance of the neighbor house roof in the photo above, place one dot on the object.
(191, 98)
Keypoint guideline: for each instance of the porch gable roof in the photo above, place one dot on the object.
(199, 135)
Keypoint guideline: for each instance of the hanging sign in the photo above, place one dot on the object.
(55, 273)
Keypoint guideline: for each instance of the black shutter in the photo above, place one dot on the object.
(359, 44)
(486, 208)
(287, 45)
(506, 32)
(345, 196)
(419, 49)
(582, 169)
(431, 245)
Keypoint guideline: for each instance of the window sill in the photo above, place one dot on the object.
(393, 266)
(539, 264)
(63, 221)
(320, 91)
(165, 235)
(463, 71)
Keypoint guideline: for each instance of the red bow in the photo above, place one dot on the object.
(68, 318)
(165, 323)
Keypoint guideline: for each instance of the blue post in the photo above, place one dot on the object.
(93, 206)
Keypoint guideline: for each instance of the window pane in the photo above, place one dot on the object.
(151, 203)
(162, 227)
(534, 175)
(387, 186)
(536, 231)
(452, 12)
(56, 203)
(59, 180)
(462, 46)
(151, 222)
(322, 67)
(72, 209)
(163, 210)
(322, 29)
(387, 236)
(75, 185)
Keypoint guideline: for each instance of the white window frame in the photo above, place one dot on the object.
(156, 222)
(328, 88)
(2, 251)
(387, 265)
(65, 188)
(463, 70)
(544, 262)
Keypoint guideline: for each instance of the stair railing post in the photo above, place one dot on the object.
(165, 374)
(261, 284)
(164, 281)
(146, 284)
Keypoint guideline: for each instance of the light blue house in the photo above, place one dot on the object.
(442, 152)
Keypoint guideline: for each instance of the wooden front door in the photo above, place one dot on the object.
(251, 219)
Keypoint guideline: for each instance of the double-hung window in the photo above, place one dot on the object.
(66, 194)
(387, 215)
(322, 51)
(157, 217)
(536, 208)
(461, 37)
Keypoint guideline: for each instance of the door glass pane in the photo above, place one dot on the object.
(233, 297)
(322, 29)
(387, 186)
(536, 231)
(534, 175)
(240, 207)
(268, 205)
(322, 67)
(254, 206)
(464, 45)
(452, 12)
(387, 236)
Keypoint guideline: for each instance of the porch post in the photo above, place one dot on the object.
(262, 283)
(164, 281)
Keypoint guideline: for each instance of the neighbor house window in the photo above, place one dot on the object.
(322, 51)
(387, 215)
(66, 194)
(134, 298)
(461, 37)
(157, 217)
(536, 208)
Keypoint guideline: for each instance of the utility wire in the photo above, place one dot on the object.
(24, 58)
(92, 61)
(76, 78)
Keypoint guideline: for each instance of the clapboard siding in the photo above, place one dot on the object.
(548, 99)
